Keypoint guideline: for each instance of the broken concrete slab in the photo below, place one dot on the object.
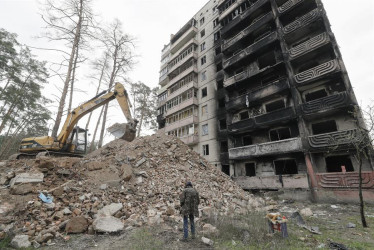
(107, 225)
(140, 162)
(110, 209)
(27, 178)
(207, 241)
(20, 241)
(76, 225)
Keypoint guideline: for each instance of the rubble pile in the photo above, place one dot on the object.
(119, 186)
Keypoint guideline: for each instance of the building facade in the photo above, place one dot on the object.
(268, 99)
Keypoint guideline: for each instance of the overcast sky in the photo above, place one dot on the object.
(152, 22)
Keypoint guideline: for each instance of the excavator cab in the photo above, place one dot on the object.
(78, 141)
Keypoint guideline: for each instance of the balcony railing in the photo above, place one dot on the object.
(334, 140)
(230, 9)
(302, 21)
(251, 49)
(184, 88)
(316, 72)
(163, 79)
(272, 182)
(248, 73)
(194, 119)
(182, 105)
(183, 74)
(252, 27)
(268, 148)
(243, 16)
(309, 45)
(345, 180)
(184, 60)
(326, 103)
(258, 94)
(288, 5)
(264, 120)
(190, 140)
(187, 35)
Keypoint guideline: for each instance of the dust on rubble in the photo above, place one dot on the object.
(119, 186)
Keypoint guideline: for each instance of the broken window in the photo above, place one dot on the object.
(273, 106)
(266, 60)
(203, 60)
(204, 92)
(280, 134)
(221, 103)
(285, 167)
(337, 163)
(206, 149)
(244, 115)
(224, 147)
(202, 46)
(215, 22)
(247, 140)
(218, 50)
(250, 169)
(226, 169)
(315, 95)
(204, 129)
(222, 124)
(202, 33)
(202, 20)
(324, 127)
(217, 36)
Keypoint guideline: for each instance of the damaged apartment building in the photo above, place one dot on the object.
(260, 89)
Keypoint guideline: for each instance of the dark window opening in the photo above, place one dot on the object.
(275, 106)
(280, 134)
(206, 149)
(335, 163)
(250, 169)
(226, 169)
(222, 124)
(221, 103)
(218, 50)
(266, 60)
(315, 95)
(285, 167)
(238, 71)
(220, 85)
(224, 147)
(244, 115)
(219, 67)
(308, 65)
(204, 92)
(324, 127)
(247, 140)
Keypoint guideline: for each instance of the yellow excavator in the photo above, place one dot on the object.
(72, 140)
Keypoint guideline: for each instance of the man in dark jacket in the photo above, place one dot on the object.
(189, 208)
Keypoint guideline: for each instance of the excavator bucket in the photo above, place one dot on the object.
(124, 131)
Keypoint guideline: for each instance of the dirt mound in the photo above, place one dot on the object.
(119, 186)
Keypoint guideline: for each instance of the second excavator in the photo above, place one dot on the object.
(72, 140)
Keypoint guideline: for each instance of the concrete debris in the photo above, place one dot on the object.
(27, 178)
(209, 229)
(351, 225)
(207, 241)
(108, 225)
(306, 212)
(143, 180)
(20, 241)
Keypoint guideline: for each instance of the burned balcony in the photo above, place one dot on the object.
(288, 6)
(268, 148)
(334, 140)
(263, 121)
(249, 73)
(267, 40)
(218, 58)
(310, 45)
(220, 75)
(302, 21)
(243, 17)
(259, 94)
(257, 23)
(317, 72)
(345, 180)
(323, 105)
(161, 118)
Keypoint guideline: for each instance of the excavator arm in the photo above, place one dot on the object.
(120, 94)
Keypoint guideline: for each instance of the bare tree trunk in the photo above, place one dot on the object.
(103, 126)
(68, 75)
(6, 117)
(96, 128)
(362, 211)
(73, 79)
(140, 122)
(98, 87)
